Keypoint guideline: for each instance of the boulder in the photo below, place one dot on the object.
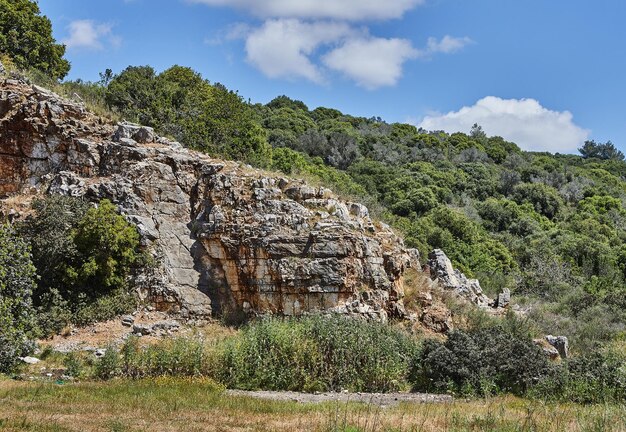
(451, 279)
(142, 329)
(134, 132)
(560, 343)
(437, 318)
(29, 360)
(547, 349)
(504, 299)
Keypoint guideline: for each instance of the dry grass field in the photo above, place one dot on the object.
(201, 405)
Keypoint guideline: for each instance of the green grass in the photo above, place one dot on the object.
(169, 404)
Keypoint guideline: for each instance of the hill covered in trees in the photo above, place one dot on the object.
(550, 227)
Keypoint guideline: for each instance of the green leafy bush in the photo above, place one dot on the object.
(318, 353)
(17, 281)
(480, 362)
(83, 257)
(107, 250)
(592, 378)
(545, 199)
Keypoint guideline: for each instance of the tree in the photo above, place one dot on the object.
(180, 103)
(235, 132)
(107, 248)
(26, 37)
(132, 94)
(606, 151)
(17, 281)
(286, 102)
(48, 231)
(477, 133)
(545, 199)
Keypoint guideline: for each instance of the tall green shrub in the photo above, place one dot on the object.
(17, 281)
(318, 353)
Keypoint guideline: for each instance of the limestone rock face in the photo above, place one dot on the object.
(452, 279)
(228, 238)
(560, 343)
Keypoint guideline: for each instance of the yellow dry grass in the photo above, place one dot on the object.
(200, 405)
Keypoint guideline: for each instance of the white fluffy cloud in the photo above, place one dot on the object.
(296, 35)
(351, 10)
(523, 121)
(88, 34)
(371, 62)
(281, 48)
(446, 45)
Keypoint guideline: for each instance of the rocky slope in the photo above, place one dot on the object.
(228, 238)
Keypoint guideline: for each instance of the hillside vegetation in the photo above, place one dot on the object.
(549, 227)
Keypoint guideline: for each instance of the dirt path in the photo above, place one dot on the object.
(381, 399)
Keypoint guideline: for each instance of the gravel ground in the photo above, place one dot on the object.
(382, 399)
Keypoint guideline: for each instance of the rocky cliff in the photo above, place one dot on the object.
(228, 238)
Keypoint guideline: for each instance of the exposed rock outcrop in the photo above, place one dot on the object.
(560, 343)
(554, 347)
(228, 238)
(452, 279)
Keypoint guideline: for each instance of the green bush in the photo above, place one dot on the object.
(309, 354)
(110, 364)
(592, 378)
(83, 257)
(181, 357)
(108, 249)
(480, 362)
(318, 353)
(17, 281)
(545, 199)
(74, 365)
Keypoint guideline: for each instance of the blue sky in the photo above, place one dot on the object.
(547, 74)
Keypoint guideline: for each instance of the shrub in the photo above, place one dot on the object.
(83, 256)
(109, 365)
(107, 247)
(181, 356)
(480, 362)
(545, 199)
(318, 353)
(73, 365)
(17, 281)
(593, 378)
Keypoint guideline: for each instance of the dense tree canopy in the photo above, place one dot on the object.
(549, 227)
(26, 37)
(605, 151)
(180, 103)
